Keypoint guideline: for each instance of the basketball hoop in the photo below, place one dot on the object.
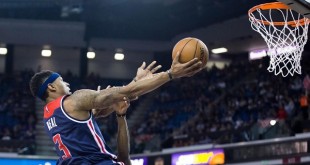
(285, 32)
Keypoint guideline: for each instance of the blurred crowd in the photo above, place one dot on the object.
(223, 106)
(182, 100)
(215, 106)
(17, 110)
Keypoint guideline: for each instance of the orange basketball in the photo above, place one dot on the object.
(190, 48)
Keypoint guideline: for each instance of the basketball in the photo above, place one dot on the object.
(190, 48)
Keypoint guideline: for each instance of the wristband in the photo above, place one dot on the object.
(169, 74)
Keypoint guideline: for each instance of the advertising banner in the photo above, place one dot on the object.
(214, 156)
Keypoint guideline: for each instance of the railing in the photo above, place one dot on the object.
(272, 151)
(18, 146)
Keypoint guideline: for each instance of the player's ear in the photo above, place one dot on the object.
(51, 87)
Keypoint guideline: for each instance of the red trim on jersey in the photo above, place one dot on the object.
(97, 139)
(51, 107)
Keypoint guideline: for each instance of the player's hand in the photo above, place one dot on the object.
(122, 106)
(144, 72)
(185, 70)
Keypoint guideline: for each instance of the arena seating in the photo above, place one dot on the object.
(214, 106)
(17, 113)
(223, 106)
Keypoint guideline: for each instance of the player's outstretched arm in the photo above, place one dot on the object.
(177, 70)
(91, 99)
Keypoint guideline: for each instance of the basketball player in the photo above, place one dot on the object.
(69, 121)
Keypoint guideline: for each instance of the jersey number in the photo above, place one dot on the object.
(61, 146)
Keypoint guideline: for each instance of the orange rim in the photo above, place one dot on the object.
(275, 5)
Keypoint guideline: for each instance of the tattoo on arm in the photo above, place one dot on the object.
(84, 99)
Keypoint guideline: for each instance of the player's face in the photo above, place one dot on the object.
(62, 86)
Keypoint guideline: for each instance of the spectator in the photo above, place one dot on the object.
(304, 106)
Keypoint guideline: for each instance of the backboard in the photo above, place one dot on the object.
(300, 6)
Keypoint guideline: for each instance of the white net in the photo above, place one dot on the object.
(285, 32)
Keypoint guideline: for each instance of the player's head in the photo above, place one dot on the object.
(45, 83)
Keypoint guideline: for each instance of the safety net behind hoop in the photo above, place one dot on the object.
(285, 32)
